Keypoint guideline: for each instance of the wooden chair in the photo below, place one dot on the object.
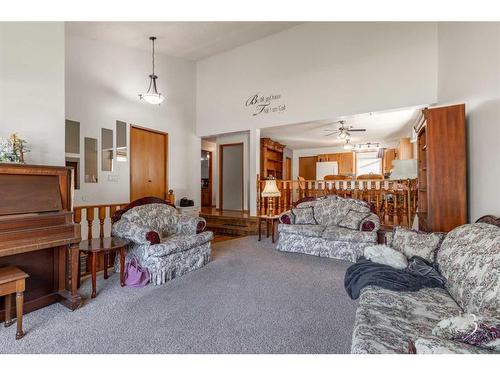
(12, 280)
(370, 176)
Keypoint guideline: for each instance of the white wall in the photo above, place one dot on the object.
(32, 87)
(321, 70)
(469, 72)
(102, 85)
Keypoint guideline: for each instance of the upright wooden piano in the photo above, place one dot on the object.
(37, 233)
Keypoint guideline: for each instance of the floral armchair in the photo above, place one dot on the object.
(166, 243)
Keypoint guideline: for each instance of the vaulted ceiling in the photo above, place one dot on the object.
(187, 40)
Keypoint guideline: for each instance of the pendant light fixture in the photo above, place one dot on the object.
(152, 96)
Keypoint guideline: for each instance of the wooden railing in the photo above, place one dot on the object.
(100, 223)
(104, 213)
(389, 199)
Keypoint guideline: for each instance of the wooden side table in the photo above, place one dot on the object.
(12, 280)
(104, 245)
(272, 220)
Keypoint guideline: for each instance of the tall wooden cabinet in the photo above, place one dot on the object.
(271, 158)
(442, 169)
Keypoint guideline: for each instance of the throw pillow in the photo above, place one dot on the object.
(471, 329)
(325, 212)
(153, 237)
(353, 219)
(413, 243)
(303, 215)
(386, 255)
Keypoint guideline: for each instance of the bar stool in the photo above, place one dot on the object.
(12, 280)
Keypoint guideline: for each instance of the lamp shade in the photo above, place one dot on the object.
(404, 169)
(271, 189)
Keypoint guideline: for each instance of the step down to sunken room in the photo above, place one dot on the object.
(232, 223)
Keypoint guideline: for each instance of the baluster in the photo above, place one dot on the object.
(279, 184)
(395, 215)
(386, 208)
(102, 216)
(77, 217)
(90, 220)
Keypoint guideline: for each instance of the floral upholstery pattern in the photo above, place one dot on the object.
(180, 250)
(353, 219)
(326, 239)
(349, 235)
(414, 243)
(304, 215)
(386, 320)
(318, 246)
(438, 345)
(302, 229)
(469, 258)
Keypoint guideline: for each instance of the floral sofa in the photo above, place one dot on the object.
(334, 227)
(166, 243)
(402, 322)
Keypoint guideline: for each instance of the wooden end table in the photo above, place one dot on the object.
(273, 220)
(104, 245)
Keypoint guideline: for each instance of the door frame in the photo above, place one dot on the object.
(132, 153)
(221, 164)
(210, 175)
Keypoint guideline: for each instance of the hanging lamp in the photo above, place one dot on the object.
(152, 96)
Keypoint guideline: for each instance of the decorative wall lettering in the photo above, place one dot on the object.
(265, 104)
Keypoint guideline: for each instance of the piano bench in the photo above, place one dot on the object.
(12, 280)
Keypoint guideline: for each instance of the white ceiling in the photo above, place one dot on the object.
(187, 40)
(383, 127)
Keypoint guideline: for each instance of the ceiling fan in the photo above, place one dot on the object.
(343, 131)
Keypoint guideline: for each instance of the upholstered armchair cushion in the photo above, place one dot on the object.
(353, 219)
(178, 243)
(413, 243)
(348, 235)
(302, 229)
(187, 225)
(469, 259)
(438, 345)
(131, 231)
(158, 217)
(303, 216)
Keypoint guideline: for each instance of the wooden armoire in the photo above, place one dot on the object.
(442, 169)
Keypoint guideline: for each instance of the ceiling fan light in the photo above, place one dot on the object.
(348, 145)
(342, 135)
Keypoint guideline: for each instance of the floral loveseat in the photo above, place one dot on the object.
(397, 322)
(336, 228)
(166, 243)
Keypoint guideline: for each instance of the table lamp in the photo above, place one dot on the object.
(270, 191)
(405, 170)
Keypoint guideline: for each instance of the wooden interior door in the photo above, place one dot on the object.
(307, 167)
(288, 168)
(148, 163)
(231, 187)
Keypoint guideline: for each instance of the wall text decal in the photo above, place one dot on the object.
(265, 104)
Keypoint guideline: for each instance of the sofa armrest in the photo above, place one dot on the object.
(187, 225)
(370, 224)
(131, 231)
(286, 218)
(439, 345)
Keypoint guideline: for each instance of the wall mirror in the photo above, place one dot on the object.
(72, 137)
(121, 141)
(106, 150)
(90, 145)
